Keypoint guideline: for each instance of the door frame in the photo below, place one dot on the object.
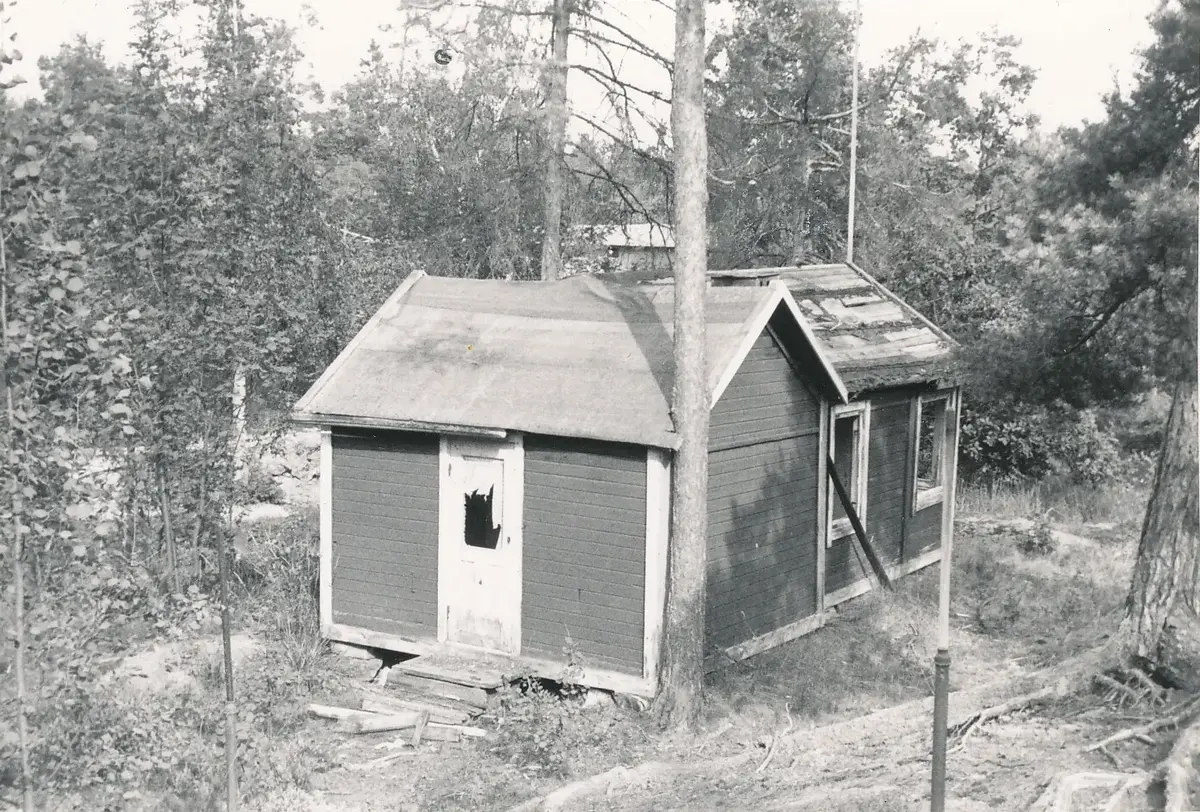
(511, 451)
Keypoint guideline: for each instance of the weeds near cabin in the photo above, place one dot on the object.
(258, 487)
(280, 575)
(547, 728)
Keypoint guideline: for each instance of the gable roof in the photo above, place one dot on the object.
(586, 356)
(872, 337)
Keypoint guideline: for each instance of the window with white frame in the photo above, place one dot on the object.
(849, 440)
(933, 429)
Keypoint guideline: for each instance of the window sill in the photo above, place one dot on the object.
(838, 530)
(928, 498)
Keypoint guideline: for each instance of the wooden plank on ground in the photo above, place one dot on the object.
(438, 688)
(420, 728)
(437, 713)
(377, 723)
(341, 714)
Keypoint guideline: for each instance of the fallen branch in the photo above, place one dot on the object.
(1178, 769)
(1118, 687)
(770, 755)
(964, 728)
(1143, 732)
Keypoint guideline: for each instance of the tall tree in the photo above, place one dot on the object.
(556, 137)
(683, 633)
(1113, 302)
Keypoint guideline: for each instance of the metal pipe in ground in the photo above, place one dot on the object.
(941, 703)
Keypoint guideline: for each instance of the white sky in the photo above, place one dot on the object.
(1077, 46)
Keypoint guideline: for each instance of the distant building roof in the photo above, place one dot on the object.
(873, 338)
(587, 356)
(635, 235)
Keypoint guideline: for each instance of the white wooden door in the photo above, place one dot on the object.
(479, 582)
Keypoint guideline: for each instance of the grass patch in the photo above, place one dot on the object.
(1013, 607)
(1116, 502)
(1048, 605)
(877, 651)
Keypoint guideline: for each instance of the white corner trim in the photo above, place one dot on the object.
(658, 527)
(842, 528)
(513, 454)
(386, 309)
(446, 503)
(823, 489)
(325, 499)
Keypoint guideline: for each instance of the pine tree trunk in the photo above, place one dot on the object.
(682, 660)
(1165, 571)
(556, 137)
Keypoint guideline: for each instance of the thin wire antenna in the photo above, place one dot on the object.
(853, 134)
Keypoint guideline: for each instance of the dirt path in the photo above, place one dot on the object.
(1005, 765)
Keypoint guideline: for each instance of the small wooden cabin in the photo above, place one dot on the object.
(496, 456)
(633, 247)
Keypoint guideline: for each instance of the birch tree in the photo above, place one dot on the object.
(556, 136)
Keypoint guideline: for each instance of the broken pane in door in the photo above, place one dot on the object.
(480, 528)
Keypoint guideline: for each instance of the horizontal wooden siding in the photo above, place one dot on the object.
(584, 566)
(385, 532)
(887, 475)
(924, 532)
(762, 551)
(764, 401)
(762, 500)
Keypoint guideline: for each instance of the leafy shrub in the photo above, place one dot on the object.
(258, 486)
(1037, 542)
(532, 727)
(1017, 441)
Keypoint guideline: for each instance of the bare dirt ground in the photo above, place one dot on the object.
(793, 729)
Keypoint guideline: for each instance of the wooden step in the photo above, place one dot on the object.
(482, 672)
(439, 689)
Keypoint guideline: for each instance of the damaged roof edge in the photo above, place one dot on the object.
(937, 331)
(834, 378)
(752, 329)
(398, 294)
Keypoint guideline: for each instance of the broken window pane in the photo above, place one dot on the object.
(930, 434)
(478, 529)
(845, 460)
